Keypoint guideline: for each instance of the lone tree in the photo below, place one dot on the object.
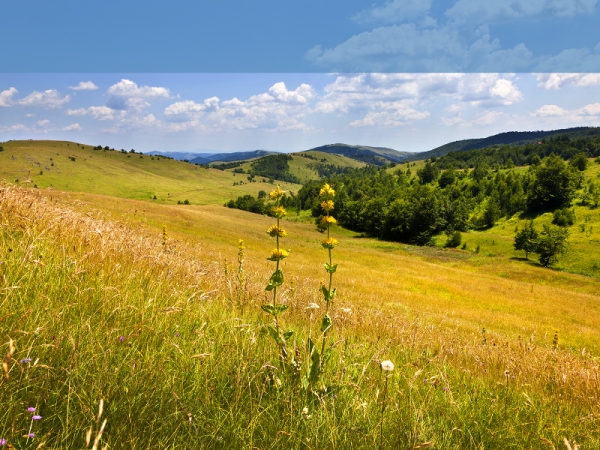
(551, 243)
(553, 185)
(526, 239)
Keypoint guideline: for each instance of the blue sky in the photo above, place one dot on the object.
(309, 36)
(233, 75)
(290, 112)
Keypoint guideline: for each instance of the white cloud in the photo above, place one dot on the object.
(482, 119)
(72, 127)
(42, 123)
(485, 11)
(584, 114)
(84, 86)
(278, 108)
(13, 128)
(560, 80)
(128, 95)
(49, 99)
(98, 112)
(29, 115)
(394, 11)
(6, 97)
(373, 93)
(189, 107)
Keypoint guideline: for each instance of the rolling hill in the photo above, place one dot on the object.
(369, 155)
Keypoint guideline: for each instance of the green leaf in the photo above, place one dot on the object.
(275, 280)
(275, 335)
(327, 294)
(326, 323)
(288, 334)
(274, 310)
(330, 268)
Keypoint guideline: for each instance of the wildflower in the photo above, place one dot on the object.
(277, 254)
(31, 409)
(387, 365)
(2, 442)
(305, 410)
(276, 194)
(36, 417)
(276, 231)
(122, 338)
(278, 211)
(330, 220)
(177, 335)
(346, 310)
(327, 205)
(25, 361)
(312, 306)
(329, 243)
(30, 435)
(326, 190)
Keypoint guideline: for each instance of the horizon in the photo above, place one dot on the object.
(204, 113)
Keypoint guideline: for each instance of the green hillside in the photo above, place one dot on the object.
(71, 166)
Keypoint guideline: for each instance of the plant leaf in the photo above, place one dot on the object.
(326, 323)
(330, 268)
(275, 280)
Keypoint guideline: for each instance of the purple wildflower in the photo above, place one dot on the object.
(2, 442)
(25, 361)
(425, 381)
(36, 417)
(31, 409)
(31, 435)
(176, 334)
(122, 338)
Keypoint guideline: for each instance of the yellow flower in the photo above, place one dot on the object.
(276, 231)
(326, 190)
(329, 243)
(278, 211)
(327, 205)
(276, 194)
(277, 254)
(328, 220)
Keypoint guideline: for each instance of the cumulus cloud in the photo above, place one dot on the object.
(560, 80)
(6, 97)
(189, 107)
(584, 114)
(42, 123)
(483, 118)
(98, 112)
(398, 99)
(49, 99)
(405, 38)
(84, 86)
(13, 128)
(72, 127)
(278, 108)
(128, 95)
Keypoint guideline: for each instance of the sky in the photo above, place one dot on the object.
(266, 74)
(290, 112)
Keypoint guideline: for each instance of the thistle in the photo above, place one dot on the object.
(277, 255)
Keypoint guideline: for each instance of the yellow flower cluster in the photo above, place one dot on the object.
(278, 211)
(328, 220)
(276, 231)
(327, 205)
(276, 194)
(329, 243)
(326, 191)
(278, 254)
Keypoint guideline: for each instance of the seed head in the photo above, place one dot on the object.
(387, 366)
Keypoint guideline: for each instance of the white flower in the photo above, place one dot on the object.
(387, 365)
(305, 411)
(312, 306)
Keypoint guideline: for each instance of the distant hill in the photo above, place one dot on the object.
(180, 156)
(509, 138)
(228, 157)
(369, 155)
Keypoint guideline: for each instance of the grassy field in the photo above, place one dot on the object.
(174, 343)
(70, 166)
(300, 164)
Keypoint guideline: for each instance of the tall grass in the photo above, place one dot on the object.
(102, 311)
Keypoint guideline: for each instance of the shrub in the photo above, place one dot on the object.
(564, 217)
(551, 244)
(454, 239)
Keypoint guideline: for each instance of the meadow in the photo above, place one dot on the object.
(98, 305)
